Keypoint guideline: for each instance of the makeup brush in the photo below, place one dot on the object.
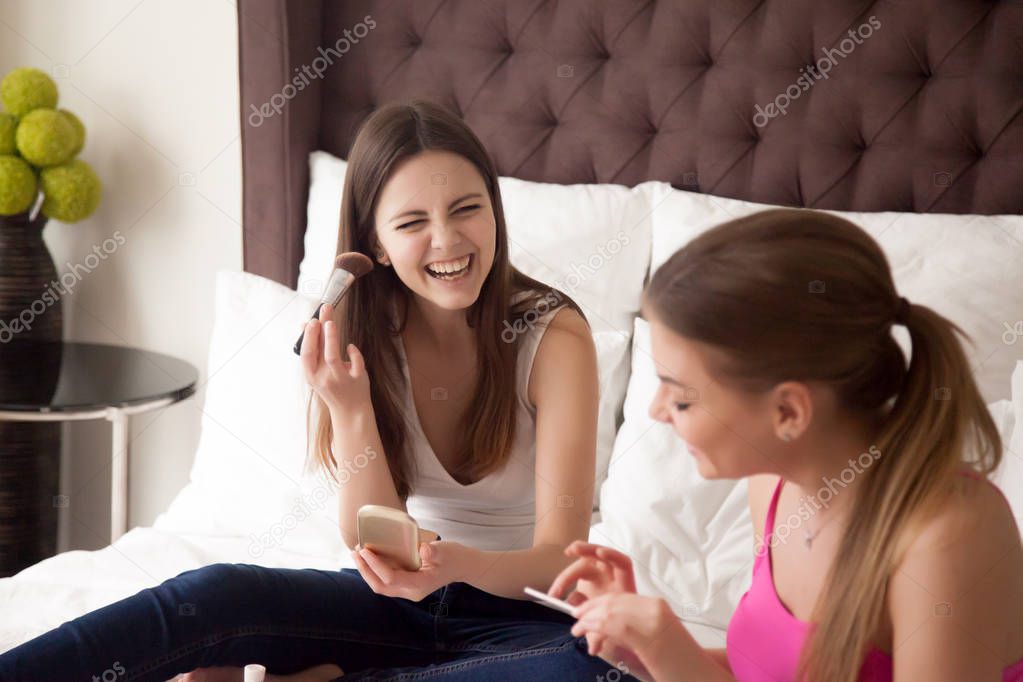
(348, 267)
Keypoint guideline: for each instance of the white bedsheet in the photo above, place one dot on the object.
(67, 585)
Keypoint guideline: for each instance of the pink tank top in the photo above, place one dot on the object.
(765, 640)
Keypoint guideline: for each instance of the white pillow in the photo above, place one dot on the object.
(613, 370)
(1009, 476)
(323, 216)
(247, 478)
(590, 241)
(969, 268)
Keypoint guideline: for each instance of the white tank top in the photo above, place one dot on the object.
(498, 511)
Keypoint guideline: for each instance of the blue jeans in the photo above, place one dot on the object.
(292, 619)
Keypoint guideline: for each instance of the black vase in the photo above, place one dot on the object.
(27, 273)
(31, 332)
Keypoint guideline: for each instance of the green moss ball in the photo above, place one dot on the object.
(46, 138)
(8, 124)
(72, 191)
(76, 123)
(25, 89)
(17, 185)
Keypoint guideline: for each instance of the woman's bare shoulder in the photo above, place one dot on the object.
(962, 561)
(566, 354)
(972, 517)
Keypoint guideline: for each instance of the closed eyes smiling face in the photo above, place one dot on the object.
(436, 228)
(720, 425)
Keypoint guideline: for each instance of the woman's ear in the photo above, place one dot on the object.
(792, 406)
(381, 257)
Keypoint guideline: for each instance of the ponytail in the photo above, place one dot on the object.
(938, 416)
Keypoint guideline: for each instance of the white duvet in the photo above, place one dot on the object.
(65, 586)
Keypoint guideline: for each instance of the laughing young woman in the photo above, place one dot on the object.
(914, 571)
(479, 439)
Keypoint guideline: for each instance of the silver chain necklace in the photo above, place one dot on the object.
(809, 537)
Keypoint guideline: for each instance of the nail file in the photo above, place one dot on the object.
(255, 673)
(549, 601)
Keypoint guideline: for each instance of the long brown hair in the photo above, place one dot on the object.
(390, 135)
(793, 294)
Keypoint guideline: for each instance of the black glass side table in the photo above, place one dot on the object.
(71, 381)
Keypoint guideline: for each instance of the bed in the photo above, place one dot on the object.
(676, 115)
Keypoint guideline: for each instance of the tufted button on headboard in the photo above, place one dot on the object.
(903, 105)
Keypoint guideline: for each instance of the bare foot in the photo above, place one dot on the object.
(320, 673)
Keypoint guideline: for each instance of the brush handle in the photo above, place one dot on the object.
(298, 344)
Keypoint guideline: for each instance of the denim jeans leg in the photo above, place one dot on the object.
(486, 638)
(231, 614)
(563, 660)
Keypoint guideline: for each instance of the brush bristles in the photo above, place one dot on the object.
(356, 263)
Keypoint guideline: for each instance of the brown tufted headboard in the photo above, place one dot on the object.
(919, 109)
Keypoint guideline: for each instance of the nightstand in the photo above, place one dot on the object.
(71, 381)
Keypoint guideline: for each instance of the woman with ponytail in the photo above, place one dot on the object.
(886, 554)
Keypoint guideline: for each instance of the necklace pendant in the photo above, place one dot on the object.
(808, 539)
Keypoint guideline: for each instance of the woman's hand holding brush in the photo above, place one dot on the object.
(343, 386)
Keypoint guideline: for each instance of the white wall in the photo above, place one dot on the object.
(156, 84)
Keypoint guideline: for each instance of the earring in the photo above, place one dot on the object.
(787, 437)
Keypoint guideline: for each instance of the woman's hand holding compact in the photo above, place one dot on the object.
(438, 569)
(343, 386)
